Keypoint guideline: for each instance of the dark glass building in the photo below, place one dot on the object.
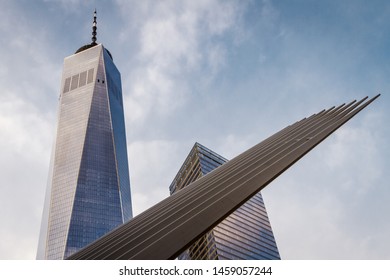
(88, 191)
(244, 235)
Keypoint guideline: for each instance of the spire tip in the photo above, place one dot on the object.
(94, 28)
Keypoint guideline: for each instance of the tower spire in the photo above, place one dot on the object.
(94, 27)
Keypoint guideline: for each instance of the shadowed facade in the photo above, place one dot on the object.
(244, 235)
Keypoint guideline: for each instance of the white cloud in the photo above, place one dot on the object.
(190, 72)
(28, 71)
(326, 206)
(216, 58)
(153, 165)
(356, 148)
(176, 39)
(71, 6)
(24, 164)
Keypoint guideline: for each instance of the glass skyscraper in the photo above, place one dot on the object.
(88, 187)
(245, 234)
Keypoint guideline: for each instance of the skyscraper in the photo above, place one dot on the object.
(245, 234)
(89, 186)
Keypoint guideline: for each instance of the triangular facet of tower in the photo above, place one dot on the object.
(245, 234)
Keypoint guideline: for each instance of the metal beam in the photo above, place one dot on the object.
(169, 227)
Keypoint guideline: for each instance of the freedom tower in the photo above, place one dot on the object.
(88, 191)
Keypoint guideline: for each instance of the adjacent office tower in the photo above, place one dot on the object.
(88, 187)
(245, 234)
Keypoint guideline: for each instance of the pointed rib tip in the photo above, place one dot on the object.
(375, 97)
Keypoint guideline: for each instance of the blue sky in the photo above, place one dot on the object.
(227, 74)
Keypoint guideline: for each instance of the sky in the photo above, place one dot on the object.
(226, 74)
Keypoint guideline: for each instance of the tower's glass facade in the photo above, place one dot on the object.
(245, 234)
(89, 187)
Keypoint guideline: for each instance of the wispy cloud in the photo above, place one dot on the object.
(152, 165)
(326, 202)
(24, 165)
(176, 42)
(227, 74)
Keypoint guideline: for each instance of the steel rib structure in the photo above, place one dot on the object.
(169, 227)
